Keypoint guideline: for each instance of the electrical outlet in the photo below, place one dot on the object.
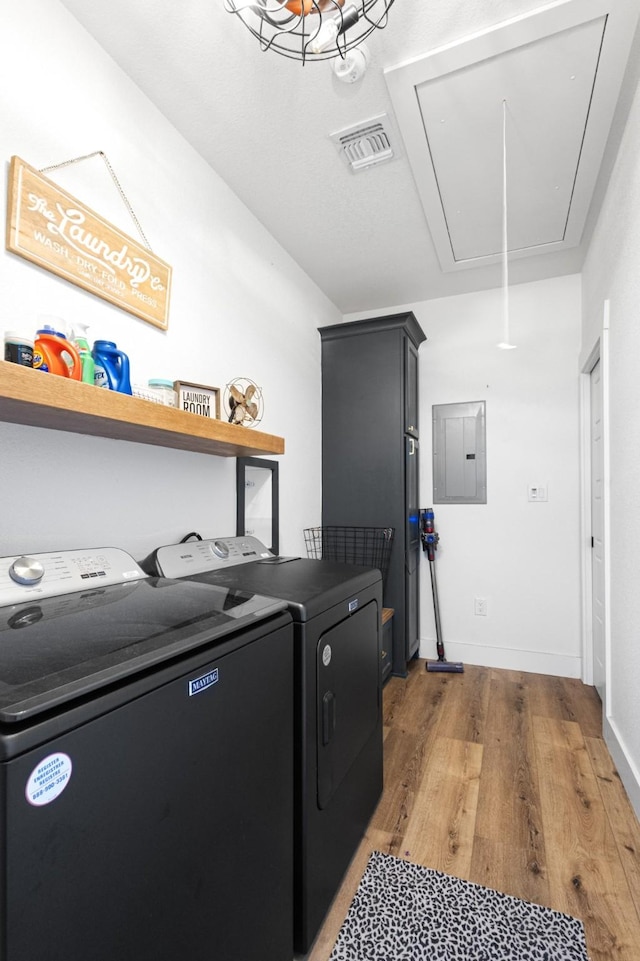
(480, 606)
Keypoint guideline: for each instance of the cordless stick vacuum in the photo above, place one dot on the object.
(430, 538)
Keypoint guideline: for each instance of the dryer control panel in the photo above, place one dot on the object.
(63, 572)
(214, 554)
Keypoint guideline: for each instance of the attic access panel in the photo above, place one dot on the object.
(559, 69)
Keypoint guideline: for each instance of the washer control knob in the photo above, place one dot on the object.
(221, 549)
(26, 570)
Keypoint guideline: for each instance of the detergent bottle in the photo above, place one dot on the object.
(111, 367)
(79, 335)
(60, 356)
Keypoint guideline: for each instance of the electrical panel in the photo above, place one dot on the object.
(459, 453)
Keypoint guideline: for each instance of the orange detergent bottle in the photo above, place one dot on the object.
(60, 355)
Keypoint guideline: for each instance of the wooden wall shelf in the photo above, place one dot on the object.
(45, 400)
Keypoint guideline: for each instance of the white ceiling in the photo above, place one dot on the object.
(379, 238)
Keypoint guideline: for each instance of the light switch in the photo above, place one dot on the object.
(537, 492)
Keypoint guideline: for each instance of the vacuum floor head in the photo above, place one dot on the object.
(446, 667)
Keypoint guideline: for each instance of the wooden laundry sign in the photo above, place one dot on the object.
(51, 228)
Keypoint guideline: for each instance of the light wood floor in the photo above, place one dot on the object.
(503, 778)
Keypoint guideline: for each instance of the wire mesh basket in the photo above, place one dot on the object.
(369, 546)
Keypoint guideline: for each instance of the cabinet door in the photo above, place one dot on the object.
(412, 495)
(410, 388)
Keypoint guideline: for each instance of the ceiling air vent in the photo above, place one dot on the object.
(366, 144)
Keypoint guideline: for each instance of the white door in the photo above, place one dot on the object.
(597, 532)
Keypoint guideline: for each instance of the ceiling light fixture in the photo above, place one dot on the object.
(505, 343)
(311, 29)
(353, 67)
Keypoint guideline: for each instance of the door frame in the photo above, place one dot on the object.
(599, 351)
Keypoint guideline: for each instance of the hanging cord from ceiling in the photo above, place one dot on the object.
(505, 344)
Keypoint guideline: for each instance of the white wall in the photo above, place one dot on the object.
(239, 307)
(612, 272)
(522, 557)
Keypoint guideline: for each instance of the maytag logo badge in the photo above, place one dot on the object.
(202, 683)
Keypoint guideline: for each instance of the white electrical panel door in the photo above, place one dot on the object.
(459, 453)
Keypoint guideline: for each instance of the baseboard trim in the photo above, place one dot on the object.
(533, 662)
(629, 774)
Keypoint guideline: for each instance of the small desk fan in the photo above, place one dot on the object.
(243, 402)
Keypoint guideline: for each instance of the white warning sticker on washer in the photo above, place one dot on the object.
(49, 779)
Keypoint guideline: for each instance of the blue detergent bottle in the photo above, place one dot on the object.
(111, 367)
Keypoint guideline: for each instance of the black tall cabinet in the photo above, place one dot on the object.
(370, 450)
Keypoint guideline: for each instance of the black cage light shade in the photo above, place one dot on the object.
(311, 29)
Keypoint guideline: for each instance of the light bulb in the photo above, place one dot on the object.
(331, 27)
(326, 36)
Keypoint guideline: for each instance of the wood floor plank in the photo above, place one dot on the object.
(467, 697)
(510, 851)
(397, 691)
(566, 699)
(406, 754)
(622, 819)
(585, 874)
(583, 705)
(420, 705)
(440, 832)
(413, 720)
(496, 864)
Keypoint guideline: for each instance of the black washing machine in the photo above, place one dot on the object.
(146, 753)
(336, 610)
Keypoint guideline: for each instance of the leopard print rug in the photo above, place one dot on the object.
(404, 912)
